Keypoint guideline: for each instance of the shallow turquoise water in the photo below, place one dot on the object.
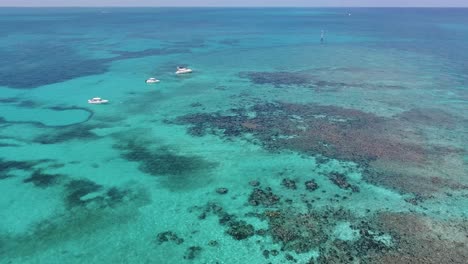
(358, 143)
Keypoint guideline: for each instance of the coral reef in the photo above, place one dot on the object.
(237, 229)
(289, 184)
(277, 79)
(310, 79)
(263, 197)
(340, 180)
(334, 132)
(311, 185)
(192, 252)
(169, 236)
(240, 230)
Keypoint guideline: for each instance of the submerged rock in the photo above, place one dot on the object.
(168, 236)
(261, 197)
(222, 190)
(192, 252)
(340, 180)
(261, 232)
(311, 185)
(289, 257)
(213, 243)
(288, 183)
(240, 230)
(254, 183)
(278, 79)
(225, 218)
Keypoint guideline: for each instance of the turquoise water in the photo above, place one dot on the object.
(276, 149)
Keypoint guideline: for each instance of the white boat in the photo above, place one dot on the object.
(152, 80)
(182, 70)
(97, 100)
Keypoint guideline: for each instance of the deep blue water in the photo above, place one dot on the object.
(51, 38)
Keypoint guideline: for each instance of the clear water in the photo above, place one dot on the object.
(358, 144)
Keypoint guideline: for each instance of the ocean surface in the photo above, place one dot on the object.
(278, 148)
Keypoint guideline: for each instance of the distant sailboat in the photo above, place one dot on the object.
(322, 36)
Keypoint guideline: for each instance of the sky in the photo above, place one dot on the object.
(324, 3)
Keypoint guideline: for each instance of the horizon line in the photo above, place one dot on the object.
(147, 6)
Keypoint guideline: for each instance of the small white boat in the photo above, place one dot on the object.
(152, 80)
(97, 100)
(182, 70)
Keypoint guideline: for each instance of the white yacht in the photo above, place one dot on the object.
(182, 70)
(97, 100)
(152, 80)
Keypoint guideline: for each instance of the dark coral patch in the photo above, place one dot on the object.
(6, 166)
(300, 233)
(278, 79)
(115, 196)
(161, 161)
(240, 230)
(43, 180)
(192, 252)
(341, 181)
(169, 236)
(64, 134)
(203, 123)
(289, 184)
(237, 229)
(311, 185)
(178, 171)
(309, 79)
(84, 193)
(263, 197)
(78, 189)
